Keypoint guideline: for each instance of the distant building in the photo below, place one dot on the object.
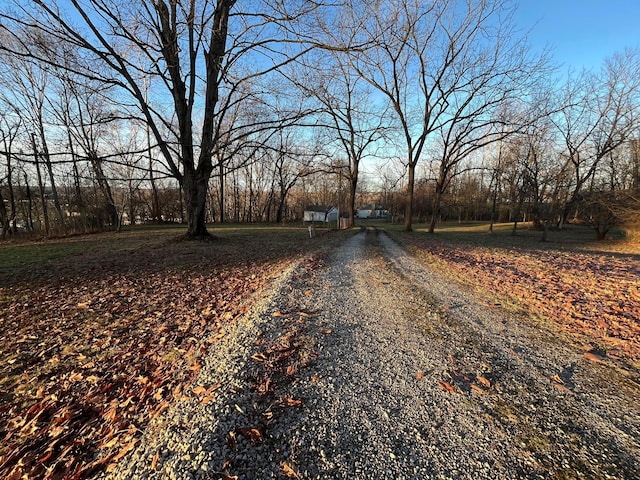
(373, 211)
(320, 214)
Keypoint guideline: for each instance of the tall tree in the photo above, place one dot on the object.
(347, 111)
(9, 129)
(27, 86)
(441, 64)
(195, 50)
(600, 113)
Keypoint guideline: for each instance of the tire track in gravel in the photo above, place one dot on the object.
(377, 368)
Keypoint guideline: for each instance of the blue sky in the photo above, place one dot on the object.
(581, 33)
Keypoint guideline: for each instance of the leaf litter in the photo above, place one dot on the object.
(595, 298)
(93, 348)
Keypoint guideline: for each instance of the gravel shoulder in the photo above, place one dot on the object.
(366, 364)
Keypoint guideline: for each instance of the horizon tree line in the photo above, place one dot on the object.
(201, 111)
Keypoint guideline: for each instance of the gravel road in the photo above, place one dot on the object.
(364, 364)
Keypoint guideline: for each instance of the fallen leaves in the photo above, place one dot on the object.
(252, 434)
(259, 357)
(288, 470)
(86, 356)
(232, 441)
(594, 357)
(484, 381)
(290, 402)
(446, 386)
(477, 389)
(461, 382)
(586, 295)
(561, 387)
(124, 450)
(206, 392)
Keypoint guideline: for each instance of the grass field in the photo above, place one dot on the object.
(100, 333)
(587, 289)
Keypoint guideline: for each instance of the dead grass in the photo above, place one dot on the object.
(103, 332)
(587, 289)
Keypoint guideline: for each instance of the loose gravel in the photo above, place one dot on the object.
(365, 364)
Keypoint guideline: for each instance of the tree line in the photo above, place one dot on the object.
(246, 111)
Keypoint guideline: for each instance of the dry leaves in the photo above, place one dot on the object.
(288, 470)
(286, 401)
(92, 351)
(594, 357)
(477, 389)
(596, 296)
(483, 381)
(446, 386)
(252, 434)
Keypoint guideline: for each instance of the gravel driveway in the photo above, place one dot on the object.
(365, 364)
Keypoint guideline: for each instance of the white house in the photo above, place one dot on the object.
(320, 214)
(372, 211)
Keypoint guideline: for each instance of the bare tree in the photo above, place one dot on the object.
(347, 112)
(442, 65)
(604, 210)
(26, 88)
(9, 129)
(83, 107)
(600, 115)
(194, 50)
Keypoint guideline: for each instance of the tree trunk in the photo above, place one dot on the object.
(353, 184)
(195, 186)
(4, 219)
(156, 216)
(132, 207)
(221, 179)
(408, 211)
(545, 232)
(52, 180)
(437, 200)
(43, 200)
(282, 200)
(29, 204)
(249, 209)
(105, 188)
(493, 212)
(280, 211)
(12, 198)
(494, 204)
(268, 210)
(79, 201)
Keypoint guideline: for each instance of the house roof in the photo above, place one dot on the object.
(315, 208)
(319, 208)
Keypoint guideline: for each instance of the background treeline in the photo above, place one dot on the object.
(115, 113)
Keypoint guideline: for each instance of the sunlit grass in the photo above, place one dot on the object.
(571, 236)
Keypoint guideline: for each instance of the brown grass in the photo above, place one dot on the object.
(588, 289)
(103, 332)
